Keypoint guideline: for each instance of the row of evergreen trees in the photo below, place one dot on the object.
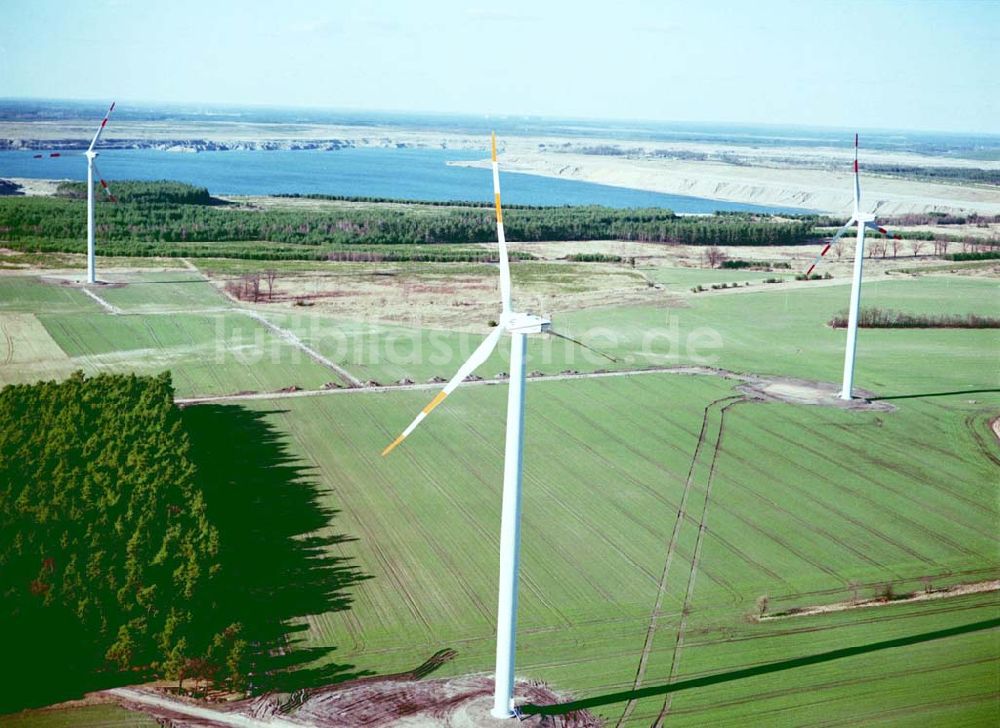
(26, 219)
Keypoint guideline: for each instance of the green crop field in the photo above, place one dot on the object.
(163, 292)
(764, 331)
(91, 716)
(626, 609)
(803, 502)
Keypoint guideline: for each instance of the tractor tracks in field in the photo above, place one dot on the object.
(8, 341)
(696, 559)
(716, 407)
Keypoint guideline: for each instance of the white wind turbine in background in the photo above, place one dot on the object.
(519, 325)
(91, 155)
(91, 170)
(863, 221)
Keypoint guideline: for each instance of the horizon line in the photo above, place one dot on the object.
(487, 116)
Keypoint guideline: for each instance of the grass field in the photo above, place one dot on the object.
(91, 716)
(605, 471)
(163, 292)
(634, 613)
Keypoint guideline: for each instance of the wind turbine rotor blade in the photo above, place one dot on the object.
(100, 129)
(104, 185)
(581, 344)
(501, 239)
(880, 229)
(826, 248)
(480, 355)
(857, 179)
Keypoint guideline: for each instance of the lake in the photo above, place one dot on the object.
(412, 174)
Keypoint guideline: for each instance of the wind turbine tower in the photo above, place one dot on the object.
(863, 221)
(91, 155)
(520, 326)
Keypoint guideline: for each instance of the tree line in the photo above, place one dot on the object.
(151, 217)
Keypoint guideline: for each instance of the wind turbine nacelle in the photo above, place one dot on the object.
(525, 323)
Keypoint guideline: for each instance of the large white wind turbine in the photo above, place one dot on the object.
(863, 221)
(91, 170)
(519, 325)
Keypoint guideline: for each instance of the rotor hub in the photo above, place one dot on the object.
(525, 323)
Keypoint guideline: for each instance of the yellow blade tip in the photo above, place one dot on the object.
(392, 445)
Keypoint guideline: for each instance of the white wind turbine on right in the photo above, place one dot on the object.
(863, 221)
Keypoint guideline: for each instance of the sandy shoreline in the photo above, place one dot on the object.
(823, 190)
(816, 178)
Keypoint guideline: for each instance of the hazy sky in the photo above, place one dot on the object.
(891, 64)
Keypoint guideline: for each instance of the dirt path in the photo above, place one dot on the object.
(168, 707)
(294, 340)
(110, 308)
(208, 399)
(959, 590)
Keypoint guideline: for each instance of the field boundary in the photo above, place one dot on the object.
(958, 590)
(691, 371)
(295, 341)
(109, 307)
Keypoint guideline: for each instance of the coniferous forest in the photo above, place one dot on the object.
(140, 540)
(169, 218)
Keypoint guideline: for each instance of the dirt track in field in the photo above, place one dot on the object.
(672, 550)
(958, 590)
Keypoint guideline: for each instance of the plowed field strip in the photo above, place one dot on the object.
(867, 679)
(741, 515)
(862, 475)
(771, 454)
(917, 475)
(373, 539)
(557, 500)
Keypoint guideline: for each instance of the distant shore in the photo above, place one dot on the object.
(813, 177)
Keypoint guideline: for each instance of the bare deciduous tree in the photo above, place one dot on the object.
(271, 274)
(916, 246)
(714, 256)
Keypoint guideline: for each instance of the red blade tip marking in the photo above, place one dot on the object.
(810, 269)
(825, 249)
(55, 154)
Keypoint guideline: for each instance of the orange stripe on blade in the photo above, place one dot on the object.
(496, 199)
(435, 402)
(392, 446)
(493, 140)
